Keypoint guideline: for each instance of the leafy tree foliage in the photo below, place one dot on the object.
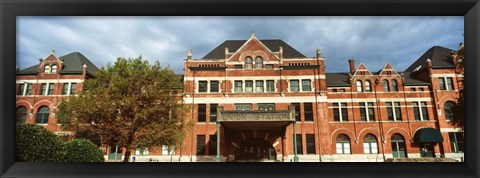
(131, 104)
(37, 144)
(82, 150)
(459, 119)
(89, 135)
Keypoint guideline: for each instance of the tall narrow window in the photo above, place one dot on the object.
(367, 112)
(456, 141)
(306, 85)
(248, 63)
(202, 113)
(42, 115)
(21, 88)
(238, 86)
(50, 89)
(420, 111)
(359, 86)
(299, 144)
(448, 110)
(29, 89)
(294, 86)
(340, 112)
(200, 144)
(416, 111)
(212, 144)
(308, 111)
(202, 86)
(441, 83)
(21, 115)
(449, 83)
(214, 86)
(258, 62)
(343, 144)
(213, 113)
(44, 89)
(394, 85)
(258, 86)
(249, 86)
(270, 86)
(310, 138)
(385, 86)
(54, 69)
(424, 110)
(65, 89)
(367, 86)
(297, 111)
(393, 111)
(46, 69)
(370, 144)
(73, 88)
(398, 111)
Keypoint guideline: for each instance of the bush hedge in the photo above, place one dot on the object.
(37, 144)
(82, 150)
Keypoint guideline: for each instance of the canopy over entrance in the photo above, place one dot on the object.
(428, 135)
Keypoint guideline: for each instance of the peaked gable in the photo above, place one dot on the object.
(253, 48)
(387, 70)
(362, 70)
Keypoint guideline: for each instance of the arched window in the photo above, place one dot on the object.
(42, 115)
(370, 144)
(359, 86)
(248, 63)
(258, 62)
(343, 144)
(385, 86)
(46, 69)
(398, 146)
(448, 108)
(54, 68)
(394, 85)
(367, 86)
(21, 115)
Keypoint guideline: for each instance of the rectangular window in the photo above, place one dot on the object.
(421, 89)
(441, 83)
(297, 111)
(21, 87)
(258, 86)
(306, 85)
(202, 113)
(202, 86)
(200, 144)
(334, 90)
(390, 114)
(65, 89)
(449, 83)
(269, 66)
(371, 112)
(166, 151)
(310, 138)
(413, 89)
(238, 66)
(44, 89)
(308, 111)
(266, 106)
(212, 145)
(294, 86)
(243, 107)
(367, 112)
(424, 110)
(342, 90)
(50, 89)
(456, 141)
(249, 86)
(336, 112)
(29, 89)
(398, 111)
(141, 151)
(270, 86)
(73, 88)
(299, 144)
(238, 86)
(214, 86)
(213, 112)
(340, 112)
(416, 111)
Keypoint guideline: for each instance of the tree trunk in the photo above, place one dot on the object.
(127, 156)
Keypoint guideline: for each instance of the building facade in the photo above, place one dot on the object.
(262, 100)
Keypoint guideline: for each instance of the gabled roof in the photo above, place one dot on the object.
(72, 64)
(362, 67)
(386, 67)
(413, 81)
(234, 45)
(337, 79)
(440, 57)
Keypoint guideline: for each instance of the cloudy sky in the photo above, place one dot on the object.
(370, 40)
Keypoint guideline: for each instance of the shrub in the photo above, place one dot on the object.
(37, 144)
(89, 135)
(82, 150)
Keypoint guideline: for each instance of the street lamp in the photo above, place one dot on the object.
(380, 127)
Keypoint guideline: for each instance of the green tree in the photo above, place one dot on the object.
(37, 144)
(459, 119)
(82, 150)
(131, 104)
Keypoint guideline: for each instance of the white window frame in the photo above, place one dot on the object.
(166, 152)
(340, 113)
(366, 111)
(419, 106)
(359, 84)
(393, 107)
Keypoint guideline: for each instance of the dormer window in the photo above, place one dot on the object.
(54, 69)
(248, 63)
(46, 69)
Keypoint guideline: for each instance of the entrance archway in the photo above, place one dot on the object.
(255, 150)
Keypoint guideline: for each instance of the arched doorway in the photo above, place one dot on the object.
(255, 150)
(398, 146)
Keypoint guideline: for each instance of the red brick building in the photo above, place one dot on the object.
(262, 99)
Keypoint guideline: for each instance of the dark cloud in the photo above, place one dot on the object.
(370, 40)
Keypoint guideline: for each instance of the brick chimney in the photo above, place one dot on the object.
(351, 62)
